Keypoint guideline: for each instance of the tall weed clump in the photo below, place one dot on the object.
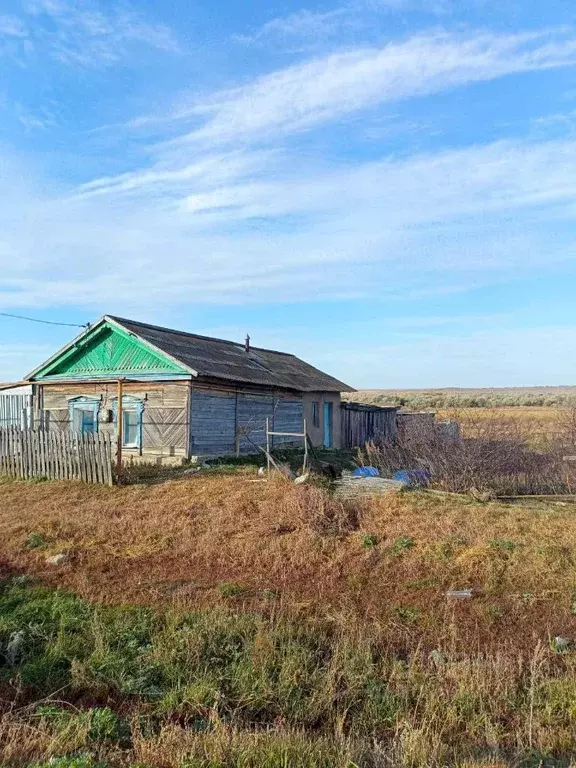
(502, 455)
(218, 687)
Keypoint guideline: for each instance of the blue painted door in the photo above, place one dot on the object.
(327, 425)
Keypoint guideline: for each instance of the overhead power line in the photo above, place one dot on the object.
(45, 322)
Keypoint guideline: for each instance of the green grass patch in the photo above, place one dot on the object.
(35, 541)
(249, 691)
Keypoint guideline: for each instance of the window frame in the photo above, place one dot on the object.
(77, 405)
(316, 413)
(133, 405)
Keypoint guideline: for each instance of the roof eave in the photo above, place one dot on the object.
(63, 350)
(90, 330)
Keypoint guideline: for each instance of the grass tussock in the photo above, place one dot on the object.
(225, 540)
(114, 686)
(215, 621)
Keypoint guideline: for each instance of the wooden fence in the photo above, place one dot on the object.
(26, 453)
(361, 423)
(16, 411)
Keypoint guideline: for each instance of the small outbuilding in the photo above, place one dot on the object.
(183, 395)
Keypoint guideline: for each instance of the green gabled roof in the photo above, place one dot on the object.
(116, 347)
(107, 351)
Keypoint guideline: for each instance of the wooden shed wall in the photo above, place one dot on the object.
(361, 423)
(182, 419)
(164, 418)
(229, 421)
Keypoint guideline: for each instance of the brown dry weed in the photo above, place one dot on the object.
(274, 546)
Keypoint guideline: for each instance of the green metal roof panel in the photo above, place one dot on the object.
(109, 352)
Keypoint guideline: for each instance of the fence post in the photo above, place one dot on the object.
(119, 435)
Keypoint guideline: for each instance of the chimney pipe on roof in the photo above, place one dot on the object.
(247, 343)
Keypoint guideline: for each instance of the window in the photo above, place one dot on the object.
(131, 428)
(83, 414)
(316, 414)
(132, 410)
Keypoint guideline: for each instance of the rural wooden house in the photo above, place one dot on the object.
(183, 395)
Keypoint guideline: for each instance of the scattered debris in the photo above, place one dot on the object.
(459, 594)
(366, 472)
(561, 644)
(413, 478)
(482, 496)
(191, 471)
(14, 648)
(351, 486)
(58, 559)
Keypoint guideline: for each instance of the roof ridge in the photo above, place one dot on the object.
(122, 320)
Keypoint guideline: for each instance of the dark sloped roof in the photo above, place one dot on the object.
(220, 359)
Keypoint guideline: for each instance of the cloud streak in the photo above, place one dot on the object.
(249, 227)
(330, 87)
(81, 33)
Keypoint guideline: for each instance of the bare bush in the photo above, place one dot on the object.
(495, 453)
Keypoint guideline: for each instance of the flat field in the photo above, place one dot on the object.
(464, 398)
(539, 410)
(219, 620)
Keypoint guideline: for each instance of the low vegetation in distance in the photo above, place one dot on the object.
(220, 620)
(441, 399)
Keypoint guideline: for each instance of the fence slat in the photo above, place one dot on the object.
(108, 457)
(27, 453)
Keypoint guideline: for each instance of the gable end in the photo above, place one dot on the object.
(107, 351)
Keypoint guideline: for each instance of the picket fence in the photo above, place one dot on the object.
(27, 453)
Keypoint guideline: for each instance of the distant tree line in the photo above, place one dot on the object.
(440, 400)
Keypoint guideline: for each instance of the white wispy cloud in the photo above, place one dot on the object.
(307, 27)
(12, 26)
(229, 231)
(213, 224)
(83, 32)
(327, 88)
(304, 25)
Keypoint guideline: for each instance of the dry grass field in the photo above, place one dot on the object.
(219, 620)
(540, 409)
(183, 542)
(461, 398)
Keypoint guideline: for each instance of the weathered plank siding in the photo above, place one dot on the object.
(288, 417)
(212, 422)
(361, 423)
(228, 421)
(253, 410)
(164, 418)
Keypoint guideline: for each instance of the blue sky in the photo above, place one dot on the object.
(385, 187)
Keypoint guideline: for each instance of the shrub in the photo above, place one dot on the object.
(402, 544)
(229, 589)
(34, 541)
(493, 454)
(370, 540)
